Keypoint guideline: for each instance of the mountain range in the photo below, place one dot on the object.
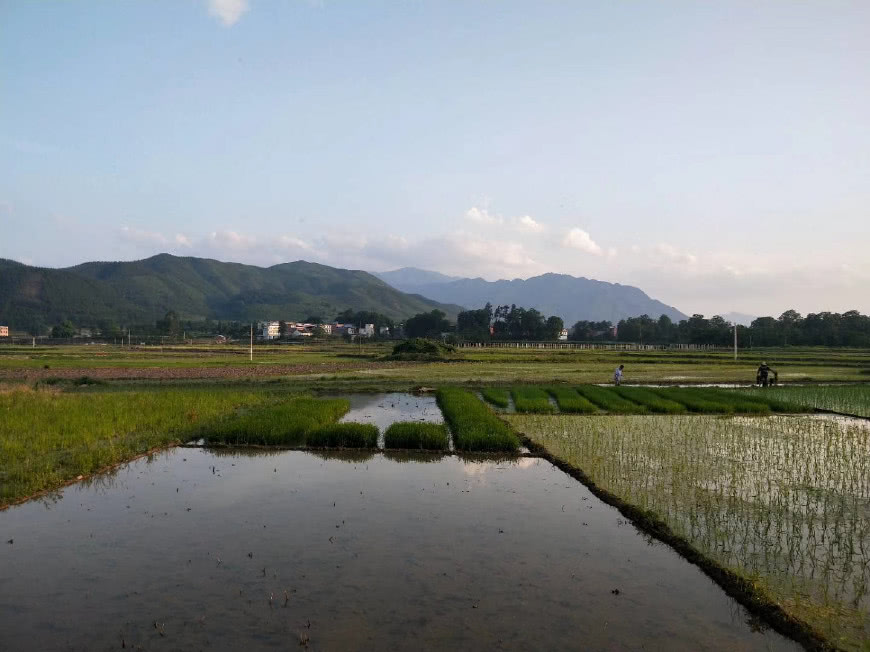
(568, 297)
(143, 291)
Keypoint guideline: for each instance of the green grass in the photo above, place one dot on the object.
(344, 435)
(474, 426)
(497, 396)
(285, 424)
(532, 399)
(649, 399)
(609, 400)
(782, 501)
(569, 400)
(416, 435)
(48, 438)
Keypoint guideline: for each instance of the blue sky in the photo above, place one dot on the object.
(717, 155)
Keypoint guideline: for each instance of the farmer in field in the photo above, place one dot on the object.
(617, 375)
(762, 376)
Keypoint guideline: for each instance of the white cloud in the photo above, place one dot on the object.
(228, 11)
(231, 240)
(182, 240)
(483, 216)
(579, 239)
(142, 237)
(671, 254)
(527, 223)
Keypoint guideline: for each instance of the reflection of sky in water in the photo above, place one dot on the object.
(374, 553)
(385, 409)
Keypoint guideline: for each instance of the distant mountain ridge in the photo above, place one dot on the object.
(142, 291)
(569, 297)
(414, 277)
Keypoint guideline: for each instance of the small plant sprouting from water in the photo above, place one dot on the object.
(344, 435)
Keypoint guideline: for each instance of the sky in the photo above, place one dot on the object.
(714, 154)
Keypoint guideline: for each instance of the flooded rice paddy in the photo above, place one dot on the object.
(200, 549)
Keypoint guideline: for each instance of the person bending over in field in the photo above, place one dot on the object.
(762, 376)
(617, 375)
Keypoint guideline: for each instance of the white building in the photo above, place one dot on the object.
(367, 331)
(563, 334)
(384, 331)
(4, 331)
(269, 330)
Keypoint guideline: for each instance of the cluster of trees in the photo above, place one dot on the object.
(790, 328)
(487, 323)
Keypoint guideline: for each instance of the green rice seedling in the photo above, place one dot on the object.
(48, 438)
(845, 399)
(532, 399)
(474, 426)
(344, 435)
(695, 401)
(569, 400)
(651, 400)
(497, 396)
(416, 435)
(738, 403)
(285, 424)
(607, 399)
(782, 501)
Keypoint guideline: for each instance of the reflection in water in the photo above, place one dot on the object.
(255, 550)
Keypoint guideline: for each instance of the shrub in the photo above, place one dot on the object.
(421, 349)
(416, 435)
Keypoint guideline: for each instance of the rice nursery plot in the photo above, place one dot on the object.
(569, 400)
(783, 501)
(609, 400)
(649, 399)
(48, 438)
(496, 396)
(286, 424)
(532, 399)
(344, 435)
(846, 399)
(417, 435)
(473, 424)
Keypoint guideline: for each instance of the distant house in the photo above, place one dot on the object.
(269, 330)
(327, 328)
(220, 339)
(367, 331)
(4, 331)
(563, 334)
(384, 331)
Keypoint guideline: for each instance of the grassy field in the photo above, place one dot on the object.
(782, 501)
(497, 367)
(48, 438)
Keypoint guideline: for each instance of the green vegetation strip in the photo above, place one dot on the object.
(498, 397)
(652, 401)
(48, 438)
(285, 424)
(569, 400)
(532, 399)
(344, 435)
(846, 399)
(474, 426)
(777, 508)
(416, 435)
(607, 399)
(703, 403)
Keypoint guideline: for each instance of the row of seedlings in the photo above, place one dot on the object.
(474, 426)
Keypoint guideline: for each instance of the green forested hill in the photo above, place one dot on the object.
(142, 291)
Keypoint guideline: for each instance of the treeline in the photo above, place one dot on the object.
(789, 329)
(485, 324)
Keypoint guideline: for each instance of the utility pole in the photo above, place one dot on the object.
(735, 341)
(252, 342)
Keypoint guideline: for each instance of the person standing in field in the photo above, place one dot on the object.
(763, 373)
(617, 375)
